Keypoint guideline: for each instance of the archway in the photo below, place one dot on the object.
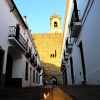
(9, 64)
(13, 68)
(53, 80)
(1, 65)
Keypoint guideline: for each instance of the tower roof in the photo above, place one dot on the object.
(55, 16)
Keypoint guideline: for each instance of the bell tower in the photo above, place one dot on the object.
(55, 24)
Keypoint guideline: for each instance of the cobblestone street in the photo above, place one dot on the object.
(82, 92)
(32, 93)
(75, 92)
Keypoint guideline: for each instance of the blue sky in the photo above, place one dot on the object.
(38, 13)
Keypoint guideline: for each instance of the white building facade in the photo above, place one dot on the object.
(19, 60)
(82, 42)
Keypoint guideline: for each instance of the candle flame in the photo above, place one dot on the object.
(46, 96)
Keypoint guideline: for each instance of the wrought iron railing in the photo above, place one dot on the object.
(14, 33)
(64, 54)
(35, 63)
(69, 42)
(29, 52)
(32, 59)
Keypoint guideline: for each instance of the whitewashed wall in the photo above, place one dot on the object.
(68, 7)
(90, 37)
(7, 19)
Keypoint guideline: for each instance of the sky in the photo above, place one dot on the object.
(38, 13)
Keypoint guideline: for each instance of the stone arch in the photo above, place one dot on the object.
(53, 80)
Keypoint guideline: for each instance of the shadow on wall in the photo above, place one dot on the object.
(51, 70)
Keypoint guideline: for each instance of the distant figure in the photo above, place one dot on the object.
(54, 84)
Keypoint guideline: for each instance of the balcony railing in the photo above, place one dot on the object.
(63, 65)
(35, 63)
(75, 24)
(32, 59)
(69, 44)
(63, 68)
(38, 68)
(16, 34)
(66, 56)
(28, 54)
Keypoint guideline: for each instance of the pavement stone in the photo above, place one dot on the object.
(58, 94)
(82, 92)
(63, 92)
(32, 93)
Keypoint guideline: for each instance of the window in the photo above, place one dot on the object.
(39, 79)
(33, 76)
(53, 55)
(26, 73)
(36, 77)
(55, 24)
(75, 12)
(75, 16)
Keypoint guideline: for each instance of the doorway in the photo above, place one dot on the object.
(53, 80)
(30, 76)
(8, 79)
(83, 62)
(72, 70)
(1, 63)
(65, 75)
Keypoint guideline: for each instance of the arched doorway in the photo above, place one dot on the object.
(9, 64)
(13, 76)
(2, 52)
(53, 80)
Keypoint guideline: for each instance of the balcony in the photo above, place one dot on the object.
(69, 44)
(75, 25)
(62, 69)
(63, 65)
(38, 68)
(35, 63)
(66, 56)
(32, 59)
(16, 38)
(28, 54)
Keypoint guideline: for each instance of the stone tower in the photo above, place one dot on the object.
(49, 48)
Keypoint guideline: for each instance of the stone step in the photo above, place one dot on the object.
(58, 94)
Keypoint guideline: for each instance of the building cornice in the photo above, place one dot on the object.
(55, 16)
(16, 12)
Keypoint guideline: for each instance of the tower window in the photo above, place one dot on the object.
(55, 24)
(53, 55)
